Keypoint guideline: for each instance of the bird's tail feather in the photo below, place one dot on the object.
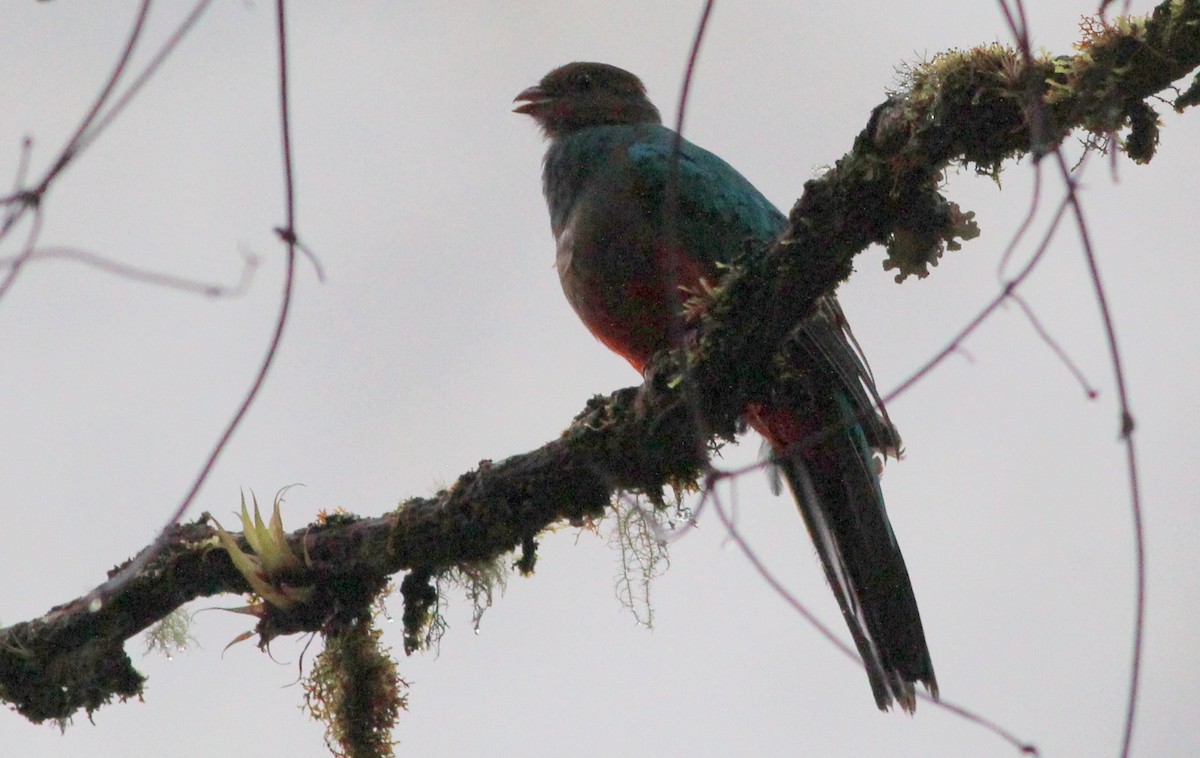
(836, 488)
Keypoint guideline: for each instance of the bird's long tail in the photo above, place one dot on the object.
(831, 470)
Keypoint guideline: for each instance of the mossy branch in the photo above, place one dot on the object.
(976, 108)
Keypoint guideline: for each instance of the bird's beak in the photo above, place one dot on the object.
(530, 100)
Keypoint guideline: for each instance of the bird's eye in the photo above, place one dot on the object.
(584, 81)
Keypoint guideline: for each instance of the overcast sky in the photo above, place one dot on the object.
(441, 338)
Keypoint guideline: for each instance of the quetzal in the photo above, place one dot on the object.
(637, 229)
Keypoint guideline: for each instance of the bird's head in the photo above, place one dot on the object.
(579, 95)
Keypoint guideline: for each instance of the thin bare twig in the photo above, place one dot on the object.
(93, 124)
(678, 335)
(777, 586)
(76, 142)
(1055, 347)
(152, 67)
(1020, 31)
(288, 234)
(956, 342)
(685, 90)
(16, 200)
(672, 201)
(1035, 203)
(828, 634)
(33, 198)
(1026, 748)
(108, 265)
(1127, 437)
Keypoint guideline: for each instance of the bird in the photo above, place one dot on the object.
(643, 220)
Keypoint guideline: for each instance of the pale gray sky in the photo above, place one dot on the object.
(441, 338)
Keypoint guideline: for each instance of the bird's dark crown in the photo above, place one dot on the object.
(580, 94)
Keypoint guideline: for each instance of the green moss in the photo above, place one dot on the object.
(355, 690)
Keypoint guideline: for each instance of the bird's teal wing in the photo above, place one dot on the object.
(714, 209)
